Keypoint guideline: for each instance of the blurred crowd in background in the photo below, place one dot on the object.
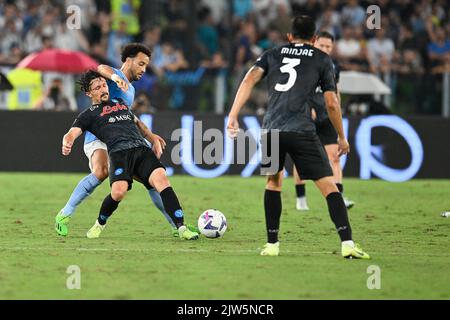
(195, 42)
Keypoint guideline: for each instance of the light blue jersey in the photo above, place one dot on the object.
(115, 92)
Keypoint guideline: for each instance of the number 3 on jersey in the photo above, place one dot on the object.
(289, 67)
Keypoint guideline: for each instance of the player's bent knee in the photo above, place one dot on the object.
(158, 179)
(101, 173)
(119, 191)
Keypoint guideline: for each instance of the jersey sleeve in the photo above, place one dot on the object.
(263, 62)
(83, 121)
(116, 71)
(327, 79)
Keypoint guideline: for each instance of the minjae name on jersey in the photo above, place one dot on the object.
(297, 52)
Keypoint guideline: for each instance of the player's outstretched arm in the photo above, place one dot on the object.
(69, 138)
(335, 115)
(108, 73)
(253, 76)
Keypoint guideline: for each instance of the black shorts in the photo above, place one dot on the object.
(137, 163)
(326, 132)
(306, 151)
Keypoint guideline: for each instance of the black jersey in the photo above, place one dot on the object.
(293, 73)
(113, 123)
(318, 101)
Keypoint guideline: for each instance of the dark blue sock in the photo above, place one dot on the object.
(108, 207)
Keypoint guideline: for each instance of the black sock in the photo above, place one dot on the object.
(108, 207)
(338, 213)
(340, 187)
(272, 207)
(300, 189)
(172, 206)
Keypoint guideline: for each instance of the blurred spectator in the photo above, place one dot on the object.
(10, 37)
(142, 104)
(353, 14)
(47, 42)
(116, 41)
(406, 39)
(33, 39)
(31, 18)
(439, 47)
(219, 10)
(413, 43)
(380, 51)
(171, 60)
(350, 51)
(330, 20)
(207, 34)
(70, 39)
(100, 29)
(11, 14)
(271, 39)
(54, 98)
(152, 38)
(310, 8)
(175, 12)
(246, 45)
(98, 52)
(125, 11)
(267, 11)
(409, 63)
(242, 9)
(216, 62)
(348, 46)
(48, 23)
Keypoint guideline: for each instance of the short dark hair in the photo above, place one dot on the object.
(86, 79)
(325, 34)
(303, 27)
(131, 50)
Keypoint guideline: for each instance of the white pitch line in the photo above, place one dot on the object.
(218, 251)
(141, 250)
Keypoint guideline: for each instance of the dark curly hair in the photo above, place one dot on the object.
(86, 79)
(132, 49)
(303, 27)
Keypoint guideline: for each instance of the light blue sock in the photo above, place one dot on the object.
(84, 188)
(156, 198)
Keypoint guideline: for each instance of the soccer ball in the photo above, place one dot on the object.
(212, 223)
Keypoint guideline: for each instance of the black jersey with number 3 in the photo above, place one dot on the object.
(293, 72)
(113, 123)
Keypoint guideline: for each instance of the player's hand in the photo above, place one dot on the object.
(313, 114)
(232, 127)
(157, 148)
(120, 82)
(161, 140)
(343, 146)
(66, 147)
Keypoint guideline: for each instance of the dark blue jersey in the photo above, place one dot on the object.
(113, 123)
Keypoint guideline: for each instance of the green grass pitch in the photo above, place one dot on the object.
(137, 258)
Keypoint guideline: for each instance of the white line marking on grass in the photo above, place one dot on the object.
(190, 250)
(142, 250)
